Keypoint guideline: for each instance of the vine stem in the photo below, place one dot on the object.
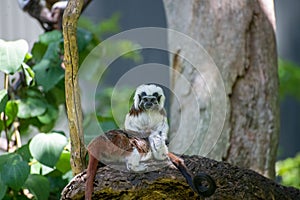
(6, 85)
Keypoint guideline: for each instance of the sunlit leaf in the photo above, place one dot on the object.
(12, 54)
(46, 148)
(63, 163)
(11, 111)
(29, 74)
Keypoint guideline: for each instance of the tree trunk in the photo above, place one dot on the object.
(167, 183)
(71, 62)
(239, 37)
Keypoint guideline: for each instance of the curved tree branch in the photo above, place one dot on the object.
(167, 183)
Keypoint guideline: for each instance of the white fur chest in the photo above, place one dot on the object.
(145, 121)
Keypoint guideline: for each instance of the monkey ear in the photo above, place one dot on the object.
(158, 98)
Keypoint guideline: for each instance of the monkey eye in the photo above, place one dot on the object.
(143, 94)
(155, 94)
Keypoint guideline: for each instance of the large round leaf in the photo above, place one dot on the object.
(46, 148)
(12, 55)
(38, 185)
(15, 172)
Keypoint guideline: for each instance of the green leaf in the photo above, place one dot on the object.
(29, 74)
(63, 163)
(38, 168)
(11, 111)
(289, 75)
(110, 25)
(50, 37)
(46, 128)
(28, 57)
(3, 188)
(49, 72)
(38, 51)
(38, 185)
(31, 107)
(4, 158)
(49, 116)
(15, 172)
(46, 148)
(12, 55)
(24, 152)
(3, 99)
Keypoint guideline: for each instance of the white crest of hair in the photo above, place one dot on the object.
(149, 90)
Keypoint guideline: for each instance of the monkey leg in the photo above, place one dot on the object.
(133, 162)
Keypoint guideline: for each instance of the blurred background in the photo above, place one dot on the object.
(15, 24)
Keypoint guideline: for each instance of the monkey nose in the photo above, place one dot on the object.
(148, 105)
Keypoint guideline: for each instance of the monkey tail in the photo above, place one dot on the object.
(186, 174)
(91, 172)
(202, 183)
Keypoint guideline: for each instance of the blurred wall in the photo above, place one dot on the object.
(16, 24)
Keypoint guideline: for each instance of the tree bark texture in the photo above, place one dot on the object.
(71, 62)
(239, 36)
(167, 183)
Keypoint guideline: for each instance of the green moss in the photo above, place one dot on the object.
(161, 189)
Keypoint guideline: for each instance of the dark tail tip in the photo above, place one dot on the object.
(204, 184)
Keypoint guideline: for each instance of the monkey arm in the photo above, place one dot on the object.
(164, 128)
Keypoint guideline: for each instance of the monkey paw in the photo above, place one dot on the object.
(137, 168)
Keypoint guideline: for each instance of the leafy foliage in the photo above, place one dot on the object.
(34, 99)
(289, 75)
(289, 171)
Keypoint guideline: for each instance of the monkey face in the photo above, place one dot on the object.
(148, 102)
(149, 97)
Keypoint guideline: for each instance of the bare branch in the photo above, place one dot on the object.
(78, 151)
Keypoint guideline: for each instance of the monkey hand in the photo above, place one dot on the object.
(158, 146)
